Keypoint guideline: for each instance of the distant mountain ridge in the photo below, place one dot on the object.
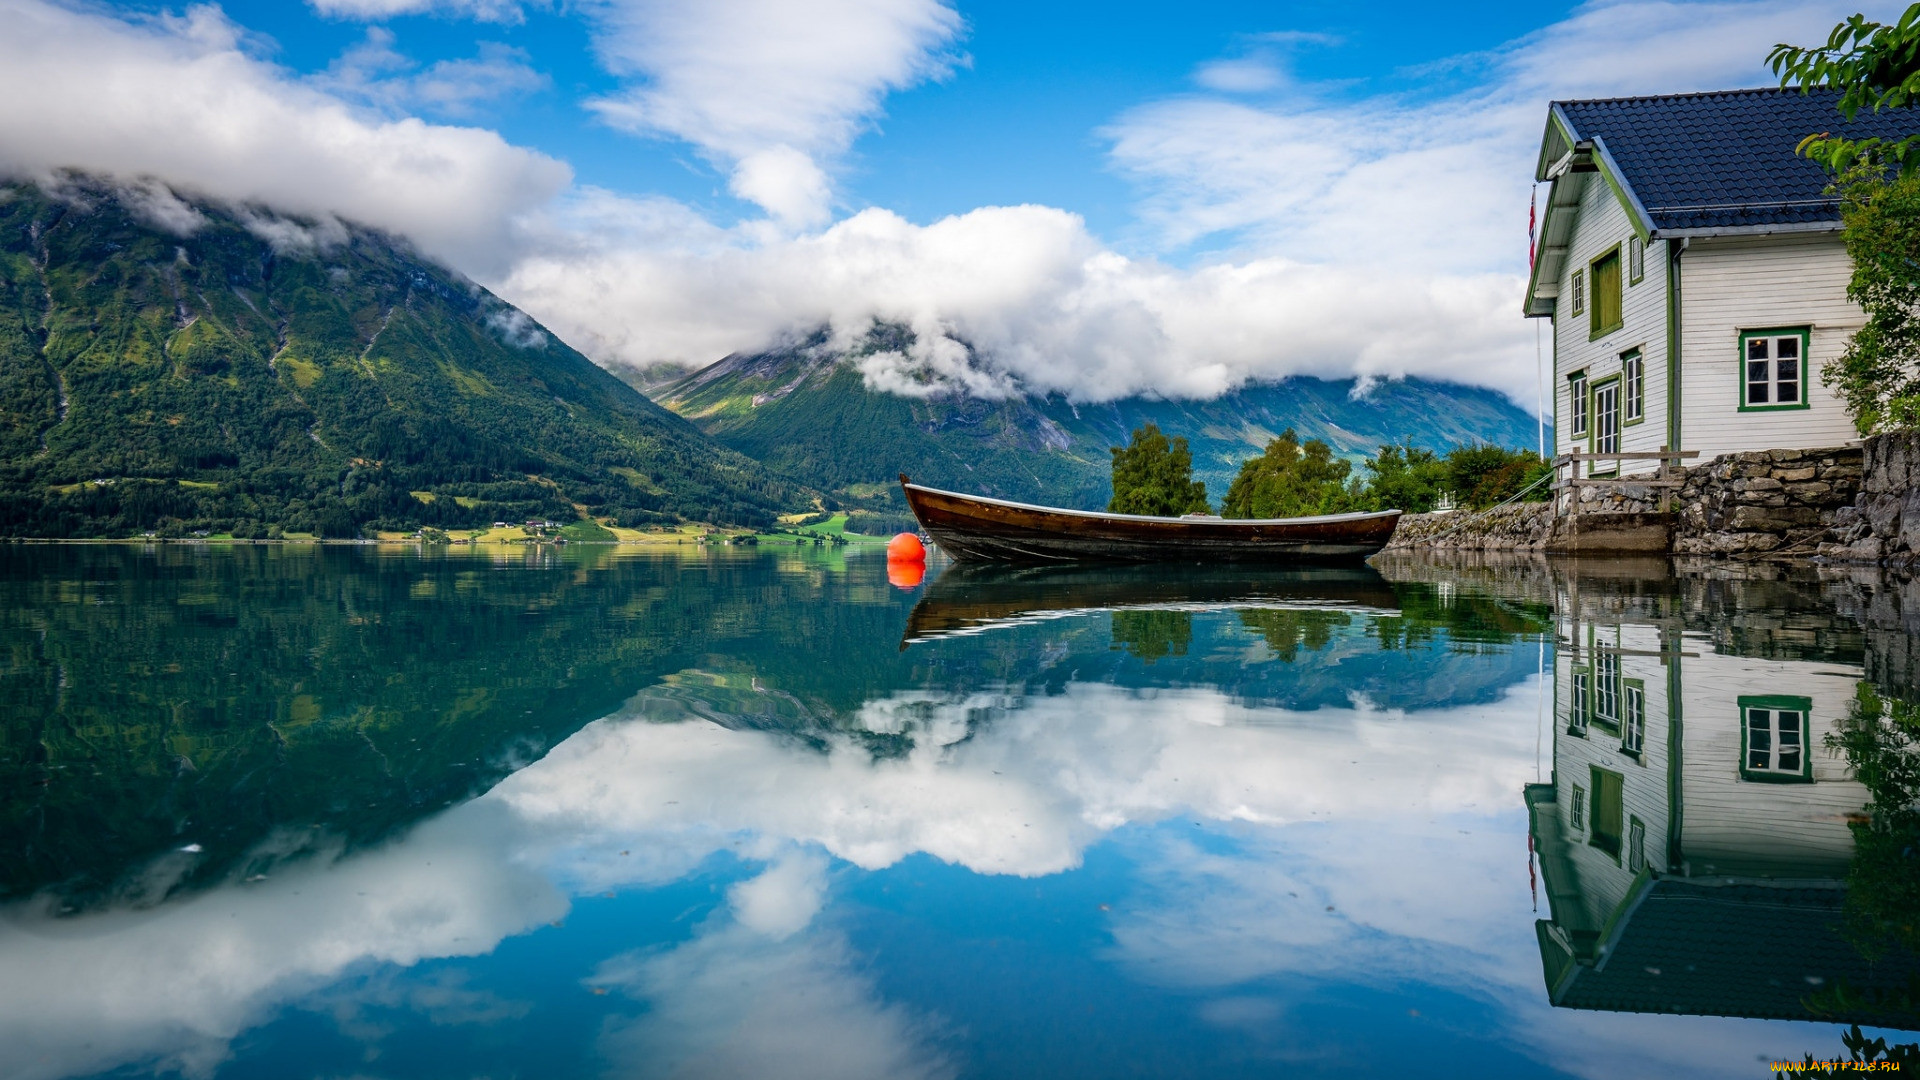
(210, 367)
(805, 411)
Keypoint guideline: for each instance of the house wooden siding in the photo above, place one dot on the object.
(1742, 233)
(1606, 879)
(1737, 827)
(1602, 224)
(1739, 283)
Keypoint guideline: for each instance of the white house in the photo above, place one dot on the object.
(1694, 839)
(1691, 263)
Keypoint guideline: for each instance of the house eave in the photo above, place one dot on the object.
(1793, 227)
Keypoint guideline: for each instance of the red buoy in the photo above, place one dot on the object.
(906, 546)
(906, 573)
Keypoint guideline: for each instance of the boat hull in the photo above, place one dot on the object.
(975, 529)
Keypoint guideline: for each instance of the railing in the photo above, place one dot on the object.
(1662, 479)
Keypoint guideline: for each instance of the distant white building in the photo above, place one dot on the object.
(1692, 266)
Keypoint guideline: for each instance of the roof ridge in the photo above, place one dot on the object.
(1697, 94)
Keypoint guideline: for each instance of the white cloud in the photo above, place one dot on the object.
(179, 98)
(1402, 822)
(769, 90)
(1372, 235)
(1044, 303)
(1433, 180)
(379, 74)
(504, 11)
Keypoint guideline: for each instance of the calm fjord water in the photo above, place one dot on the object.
(277, 811)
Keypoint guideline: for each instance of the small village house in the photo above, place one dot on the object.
(1692, 266)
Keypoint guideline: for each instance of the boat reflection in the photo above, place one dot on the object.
(972, 598)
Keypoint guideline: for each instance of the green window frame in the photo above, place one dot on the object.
(1606, 809)
(1606, 691)
(1606, 313)
(1577, 404)
(1594, 435)
(1775, 739)
(1636, 260)
(1578, 289)
(1772, 364)
(1636, 844)
(1579, 707)
(1633, 387)
(1633, 717)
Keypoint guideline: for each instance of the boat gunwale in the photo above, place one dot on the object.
(1098, 515)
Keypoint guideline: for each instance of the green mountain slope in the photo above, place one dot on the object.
(804, 412)
(330, 382)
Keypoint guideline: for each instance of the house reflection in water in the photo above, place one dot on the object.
(1694, 839)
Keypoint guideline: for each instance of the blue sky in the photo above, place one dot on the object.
(1019, 121)
(1097, 200)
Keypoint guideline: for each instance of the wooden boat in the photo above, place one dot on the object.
(972, 528)
(973, 598)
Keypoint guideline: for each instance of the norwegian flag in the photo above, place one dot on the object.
(1532, 197)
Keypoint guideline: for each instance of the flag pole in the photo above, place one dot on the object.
(1539, 378)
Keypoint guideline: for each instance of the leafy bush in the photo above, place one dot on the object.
(1483, 475)
(1405, 478)
(1291, 479)
(1154, 475)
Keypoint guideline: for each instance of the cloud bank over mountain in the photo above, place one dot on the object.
(1287, 227)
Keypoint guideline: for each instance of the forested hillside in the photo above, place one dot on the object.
(804, 411)
(166, 367)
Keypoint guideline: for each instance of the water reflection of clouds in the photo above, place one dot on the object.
(1397, 828)
(752, 995)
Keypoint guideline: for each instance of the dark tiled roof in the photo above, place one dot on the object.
(1737, 950)
(1727, 159)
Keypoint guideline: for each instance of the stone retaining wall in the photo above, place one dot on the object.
(1765, 500)
(1755, 503)
(1884, 520)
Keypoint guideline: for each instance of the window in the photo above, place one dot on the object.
(1633, 386)
(1773, 739)
(1636, 845)
(1636, 260)
(1773, 369)
(1606, 418)
(1633, 726)
(1577, 708)
(1604, 819)
(1579, 291)
(1579, 807)
(1606, 690)
(1604, 313)
(1577, 402)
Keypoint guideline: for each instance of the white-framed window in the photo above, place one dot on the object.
(1773, 369)
(1579, 292)
(1577, 708)
(1633, 385)
(1633, 726)
(1636, 845)
(1636, 260)
(1579, 807)
(1577, 403)
(1606, 689)
(1773, 738)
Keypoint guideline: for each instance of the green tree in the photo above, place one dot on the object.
(1484, 474)
(1154, 475)
(1876, 374)
(1405, 478)
(1291, 479)
(1874, 66)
